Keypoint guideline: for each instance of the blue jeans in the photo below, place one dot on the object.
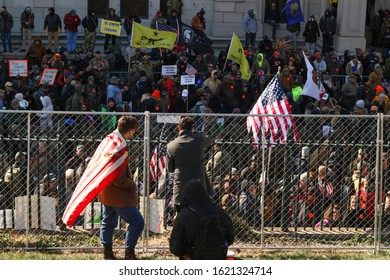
(110, 221)
(6, 36)
(71, 39)
(250, 40)
(311, 47)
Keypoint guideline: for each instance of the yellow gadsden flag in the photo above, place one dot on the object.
(236, 53)
(144, 37)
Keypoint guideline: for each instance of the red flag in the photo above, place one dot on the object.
(271, 102)
(108, 161)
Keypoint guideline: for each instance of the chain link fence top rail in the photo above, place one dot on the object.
(326, 189)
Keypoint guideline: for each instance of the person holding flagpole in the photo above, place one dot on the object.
(294, 17)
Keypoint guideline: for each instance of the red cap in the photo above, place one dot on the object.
(379, 89)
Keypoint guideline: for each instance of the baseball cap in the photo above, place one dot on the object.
(8, 84)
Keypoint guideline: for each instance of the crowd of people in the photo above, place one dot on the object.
(356, 84)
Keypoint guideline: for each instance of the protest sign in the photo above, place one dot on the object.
(187, 80)
(48, 76)
(110, 27)
(169, 70)
(17, 68)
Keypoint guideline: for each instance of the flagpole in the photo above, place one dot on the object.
(130, 46)
(227, 55)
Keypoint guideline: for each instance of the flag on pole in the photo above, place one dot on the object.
(108, 162)
(144, 37)
(164, 27)
(194, 39)
(313, 86)
(158, 164)
(190, 70)
(293, 12)
(271, 128)
(236, 53)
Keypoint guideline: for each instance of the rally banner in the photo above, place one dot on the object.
(107, 163)
(144, 37)
(110, 27)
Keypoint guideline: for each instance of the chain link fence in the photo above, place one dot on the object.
(328, 189)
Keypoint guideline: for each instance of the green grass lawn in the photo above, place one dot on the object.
(165, 255)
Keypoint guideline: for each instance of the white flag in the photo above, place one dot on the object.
(313, 86)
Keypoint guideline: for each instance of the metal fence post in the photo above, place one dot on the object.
(379, 185)
(263, 185)
(28, 172)
(145, 233)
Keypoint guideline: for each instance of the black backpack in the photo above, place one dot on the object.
(210, 237)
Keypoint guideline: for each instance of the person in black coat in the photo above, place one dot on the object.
(311, 33)
(196, 203)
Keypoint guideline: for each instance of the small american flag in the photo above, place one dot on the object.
(158, 164)
(326, 189)
(272, 128)
(164, 27)
(191, 71)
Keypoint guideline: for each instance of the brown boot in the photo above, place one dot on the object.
(108, 253)
(130, 254)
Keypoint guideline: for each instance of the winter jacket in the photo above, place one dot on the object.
(72, 21)
(249, 22)
(52, 22)
(6, 22)
(184, 232)
(27, 19)
(312, 32)
(122, 191)
(90, 23)
(328, 24)
(113, 91)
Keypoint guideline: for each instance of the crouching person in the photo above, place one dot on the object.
(202, 229)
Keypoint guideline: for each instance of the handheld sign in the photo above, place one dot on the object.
(48, 76)
(169, 70)
(17, 68)
(187, 80)
(110, 27)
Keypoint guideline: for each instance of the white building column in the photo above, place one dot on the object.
(351, 18)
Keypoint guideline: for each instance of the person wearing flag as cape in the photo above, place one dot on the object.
(120, 199)
(108, 176)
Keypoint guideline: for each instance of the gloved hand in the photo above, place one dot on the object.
(59, 30)
(44, 32)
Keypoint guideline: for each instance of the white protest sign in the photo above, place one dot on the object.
(169, 70)
(187, 80)
(17, 68)
(48, 76)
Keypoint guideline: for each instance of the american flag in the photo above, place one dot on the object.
(108, 162)
(164, 27)
(191, 71)
(272, 128)
(326, 189)
(158, 164)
